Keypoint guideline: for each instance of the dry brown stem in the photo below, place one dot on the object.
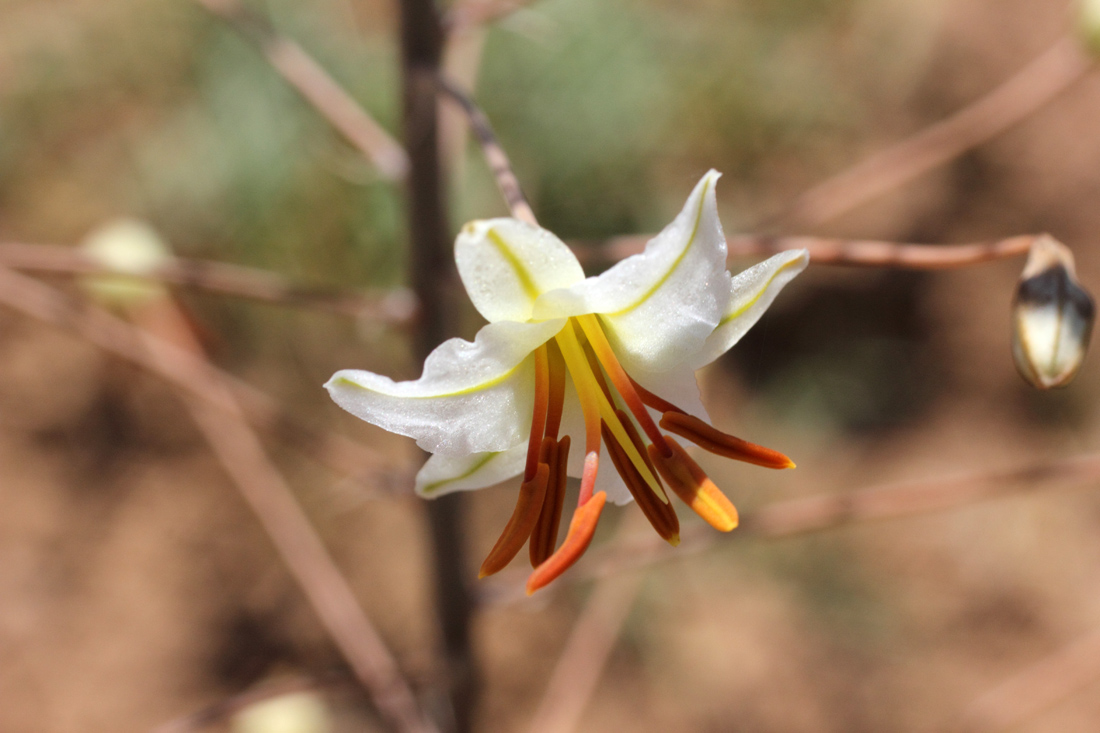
(221, 419)
(574, 679)
(494, 154)
(1024, 93)
(816, 513)
(1034, 689)
(475, 13)
(852, 252)
(315, 84)
(390, 306)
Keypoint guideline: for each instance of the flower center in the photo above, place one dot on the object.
(582, 350)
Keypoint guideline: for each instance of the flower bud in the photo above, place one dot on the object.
(295, 712)
(1051, 317)
(132, 249)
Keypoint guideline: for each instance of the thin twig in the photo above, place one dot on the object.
(434, 279)
(851, 252)
(589, 646)
(243, 456)
(1023, 94)
(476, 13)
(1034, 689)
(495, 156)
(263, 487)
(315, 84)
(390, 306)
(817, 513)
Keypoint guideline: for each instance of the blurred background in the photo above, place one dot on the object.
(136, 586)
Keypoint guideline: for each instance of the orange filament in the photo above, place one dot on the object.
(545, 534)
(538, 415)
(531, 497)
(581, 529)
(596, 407)
(556, 364)
(660, 514)
(659, 404)
(715, 441)
(622, 381)
(694, 487)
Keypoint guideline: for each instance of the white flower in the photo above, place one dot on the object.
(584, 359)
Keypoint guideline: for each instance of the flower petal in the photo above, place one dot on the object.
(659, 306)
(751, 292)
(506, 264)
(472, 397)
(444, 474)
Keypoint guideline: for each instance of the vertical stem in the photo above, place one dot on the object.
(433, 277)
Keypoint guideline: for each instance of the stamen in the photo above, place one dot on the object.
(596, 407)
(714, 440)
(557, 388)
(661, 515)
(581, 529)
(590, 324)
(657, 403)
(692, 484)
(594, 365)
(637, 441)
(528, 505)
(538, 415)
(545, 534)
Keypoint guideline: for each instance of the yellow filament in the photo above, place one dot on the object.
(593, 401)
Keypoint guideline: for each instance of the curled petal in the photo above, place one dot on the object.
(751, 292)
(659, 306)
(444, 475)
(506, 264)
(472, 397)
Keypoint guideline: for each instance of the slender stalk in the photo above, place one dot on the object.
(819, 513)
(397, 307)
(849, 252)
(1036, 688)
(237, 445)
(1027, 91)
(495, 156)
(315, 84)
(433, 281)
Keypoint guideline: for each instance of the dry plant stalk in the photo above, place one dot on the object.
(220, 417)
(318, 88)
(1028, 90)
(850, 252)
(1035, 688)
(396, 307)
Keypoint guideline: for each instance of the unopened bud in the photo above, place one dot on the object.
(295, 712)
(1051, 317)
(132, 249)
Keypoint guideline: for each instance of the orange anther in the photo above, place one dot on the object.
(545, 534)
(660, 514)
(528, 505)
(694, 487)
(714, 440)
(581, 529)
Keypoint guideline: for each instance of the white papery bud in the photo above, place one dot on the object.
(134, 250)
(296, 712)
(1052, 317)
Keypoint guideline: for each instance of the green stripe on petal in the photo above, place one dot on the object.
(472, 397)
(751, 292)
(506, 264)
(443, 475)
(658, 307)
